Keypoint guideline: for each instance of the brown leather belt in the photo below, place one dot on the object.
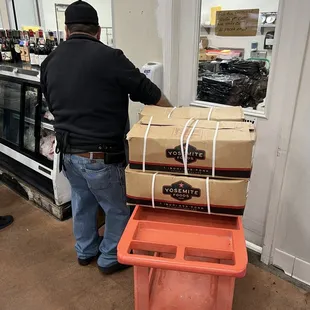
(92, 155)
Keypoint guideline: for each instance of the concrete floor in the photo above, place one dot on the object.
(38, 270)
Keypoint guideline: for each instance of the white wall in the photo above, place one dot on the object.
(136, 33)
(293, 233)
(237, 42)
(1, 24)
(48, 16)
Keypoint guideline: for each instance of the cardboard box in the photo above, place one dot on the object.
(211, 56)
(233, 143)
(234, 114)
(202, 56)
(186, 193)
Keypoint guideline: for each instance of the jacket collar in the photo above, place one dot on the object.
(83, 36)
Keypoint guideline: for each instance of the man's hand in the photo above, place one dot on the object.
(164, 102)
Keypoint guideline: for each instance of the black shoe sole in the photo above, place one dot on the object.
(86, 261)
(113, 269)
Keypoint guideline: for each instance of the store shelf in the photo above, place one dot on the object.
(47, 126)
(43, 124)
(262, 28)
(247, 112)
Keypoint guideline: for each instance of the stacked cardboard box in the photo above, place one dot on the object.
(180, 160)
(212, 114)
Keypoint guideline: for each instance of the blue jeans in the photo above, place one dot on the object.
(95, 183)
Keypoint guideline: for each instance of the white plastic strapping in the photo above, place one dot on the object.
(153, 189)
(208, 195)
(169, 115)
(184, 159)
(145, 142)
(187, 145)
(210, 113)
(214, 148)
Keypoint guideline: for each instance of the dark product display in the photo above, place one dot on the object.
(225, 89)
(205, 67)
(6, 54)
(47, 136)
(26, 46)
(10, 111)
(47, 144)
(32, 48)
(238, 83)
(9, 47)
(16, 42)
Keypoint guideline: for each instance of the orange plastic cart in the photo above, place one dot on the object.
(183, 260)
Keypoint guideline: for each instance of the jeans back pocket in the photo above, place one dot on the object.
(97, 174)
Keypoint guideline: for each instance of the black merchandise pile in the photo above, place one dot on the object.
(238, 83)
(205, 67)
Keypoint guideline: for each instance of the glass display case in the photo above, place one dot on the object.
(10, 94)
(25, 121)
(27, 139)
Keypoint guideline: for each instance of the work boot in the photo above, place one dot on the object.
(86, 261)
(5, 221)
(114, 268)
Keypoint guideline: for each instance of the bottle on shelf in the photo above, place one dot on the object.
(41, 46)
(36, 55)
(25, 46)
(21, 45)
(2, 45)
(16, 42)
(32, 48)
(10, 51)
(55, 38)
(48, 43)
(51, 43)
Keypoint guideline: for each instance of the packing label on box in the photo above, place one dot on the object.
(186, 193)
(192, 147)
(234, 114)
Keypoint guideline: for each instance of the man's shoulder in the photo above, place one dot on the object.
(107, 53)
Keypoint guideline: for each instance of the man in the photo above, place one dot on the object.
(5, 221)
(87, 84)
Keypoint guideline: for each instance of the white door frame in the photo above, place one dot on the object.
(4, 14)
(275, 205)
(184, 31)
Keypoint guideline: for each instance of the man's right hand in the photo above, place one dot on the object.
(164, 102)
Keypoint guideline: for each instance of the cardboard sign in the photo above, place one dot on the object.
(235, 23)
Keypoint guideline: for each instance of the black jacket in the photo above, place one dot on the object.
(86, 85)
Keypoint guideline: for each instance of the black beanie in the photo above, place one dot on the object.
(80, 12)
